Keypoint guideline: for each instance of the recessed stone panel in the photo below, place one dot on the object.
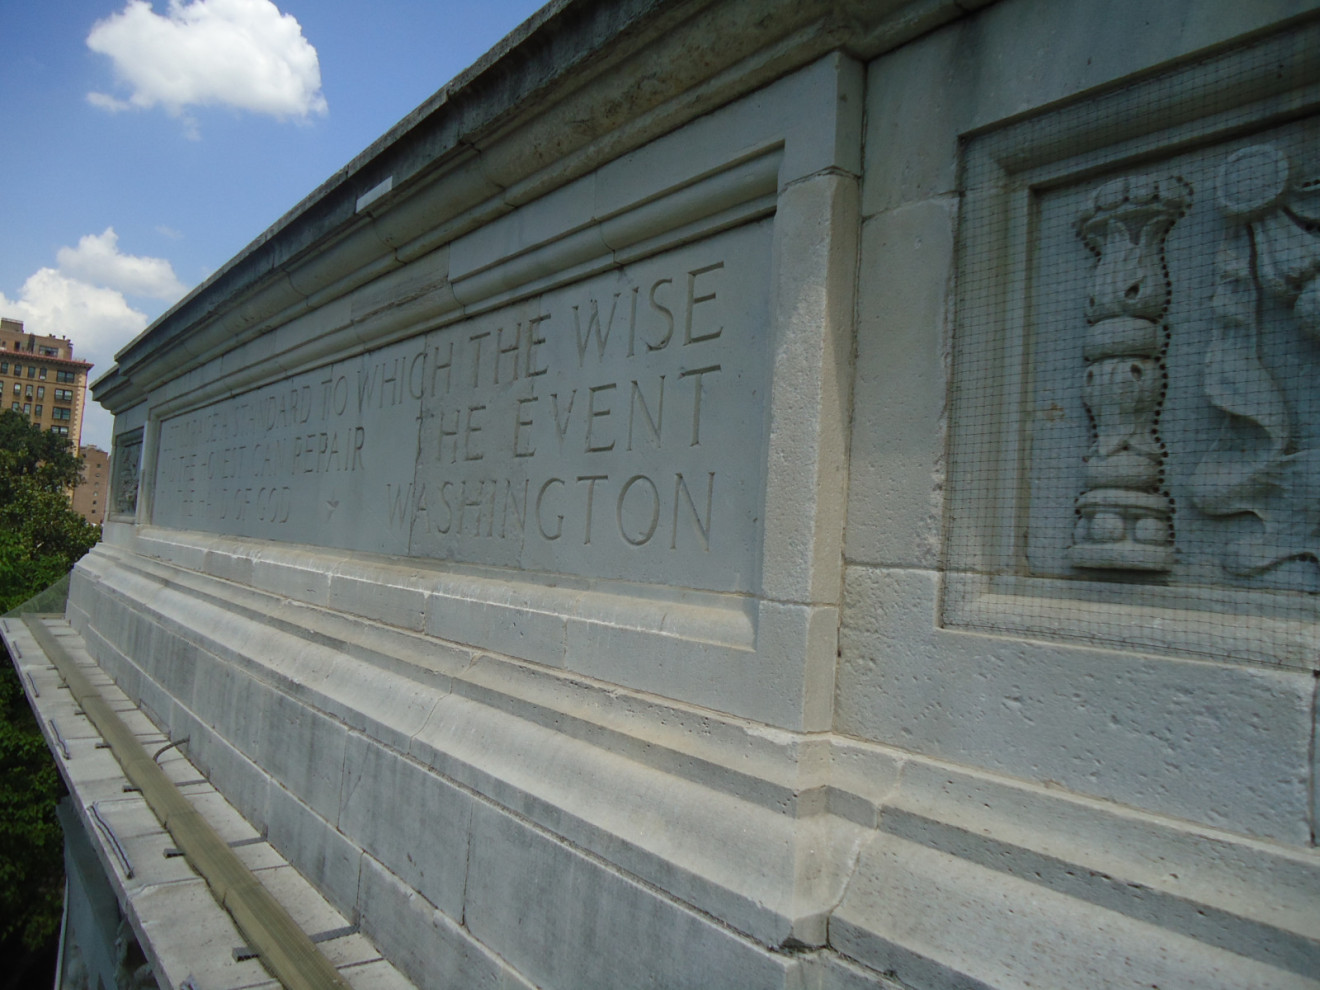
(612, 428)
(608, 429)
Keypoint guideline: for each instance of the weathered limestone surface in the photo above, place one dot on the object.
(767, 494)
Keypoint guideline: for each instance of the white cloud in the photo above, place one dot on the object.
(107, 102)
(236, 53)
(84, 299)
(98, 320)
(97, 260)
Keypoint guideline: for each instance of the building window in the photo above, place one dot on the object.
(50, 352)
(61, 430)
(36, 410)
(64, 395)
(42, 374)
(4, 367)
(59, 412)
(15, 407)
(18, 370)
(18, 389)
(64, 376)
(27, 408)
(32, 371)
(41, 391)
(28, 393)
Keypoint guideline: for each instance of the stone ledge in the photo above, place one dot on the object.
(184, 931)
(1202, 905)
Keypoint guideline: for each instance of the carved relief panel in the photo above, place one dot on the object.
(125, 475)
(1136, 417)
(1184, 380)
(1262, 478)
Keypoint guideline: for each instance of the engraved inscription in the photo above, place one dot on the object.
(615, 426)
(611, 428)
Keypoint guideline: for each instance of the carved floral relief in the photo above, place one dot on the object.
(1124, 517)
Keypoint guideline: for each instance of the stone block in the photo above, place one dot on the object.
(246, 785)
(796, 653)
(714, 675)
(302, 581)
(398, 604)
(1197, 740)
(423, 842)
(530, 225)
(390, 707)
(318, 850)
(563, 918)
(181, 914)
(511, 625)
(305, 751)
(432, 949)
(921, 905)
(989, 67)
(231, 702)
(815, 265)
(832, 972)
(377, 975)
(897, 475)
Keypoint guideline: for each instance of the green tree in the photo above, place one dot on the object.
(28, 451)
(31, 844)
(41, 538)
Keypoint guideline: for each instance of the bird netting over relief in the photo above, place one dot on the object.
(1136, 415)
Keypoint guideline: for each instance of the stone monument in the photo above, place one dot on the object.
(764, 494)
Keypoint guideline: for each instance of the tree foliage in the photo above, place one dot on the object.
(41, 538)
(31, 844)
(28, 451)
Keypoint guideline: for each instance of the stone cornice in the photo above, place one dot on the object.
(561, 95)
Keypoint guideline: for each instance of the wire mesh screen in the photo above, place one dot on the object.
(1136, 415)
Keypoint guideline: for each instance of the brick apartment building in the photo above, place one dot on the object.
(42, 379)
(90, 498)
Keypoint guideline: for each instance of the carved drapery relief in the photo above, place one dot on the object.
(124, 494)
(1260, 467)
(1124, 515)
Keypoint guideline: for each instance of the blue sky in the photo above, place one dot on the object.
(144, 144)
